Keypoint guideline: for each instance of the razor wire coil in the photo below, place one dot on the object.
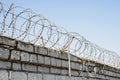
(24, 24)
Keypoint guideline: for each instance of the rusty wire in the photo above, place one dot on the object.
(24, 24)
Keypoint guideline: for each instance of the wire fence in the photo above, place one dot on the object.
(24, 24)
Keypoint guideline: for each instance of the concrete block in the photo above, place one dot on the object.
(73, 58)
(3, 75)
(25, 56)
(82, 73)
(112, 73)
(7, 41)
(53, 62)
(18, 76)
(41, 59)
(69, 78)
(5, 65)
(34, 76)
(33, 58)
(40, 69)
(27, 67)
(64, 55)
(64, 63)
(43, 69)
(105, 72)
(58, 71)
(64, 71)
(72, 78)
(55, 70)
(60, 77)
(59, 62)
(78, 78)
(48, 77)
(59, 54)
(25, 46)
(4, 53)
(47, 60)
(74, 73)
(15, 55)
(108, 78)
(16, 66)
(73, 65)
(91, 74)
(41, 50)
(77, 66)
(52, 53)
(117, 74)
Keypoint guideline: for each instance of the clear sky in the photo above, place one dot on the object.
(97, 20)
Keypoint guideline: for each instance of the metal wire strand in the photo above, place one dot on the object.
(24, 24)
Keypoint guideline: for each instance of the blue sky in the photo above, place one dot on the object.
(97, 20)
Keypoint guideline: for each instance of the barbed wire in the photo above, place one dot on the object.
(24, 24)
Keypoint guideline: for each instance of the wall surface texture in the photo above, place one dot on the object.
(25, 61)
